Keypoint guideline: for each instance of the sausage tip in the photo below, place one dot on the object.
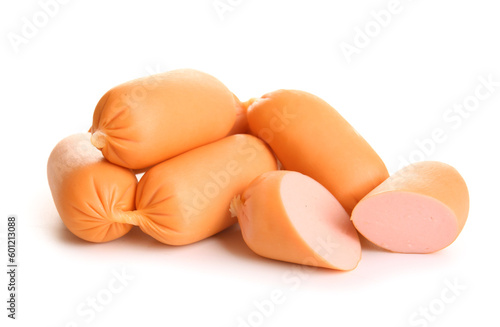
(98, 139)
(127, 217)
(235, 206)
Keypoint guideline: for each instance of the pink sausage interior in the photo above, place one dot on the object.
(406, 222)
(320, 220)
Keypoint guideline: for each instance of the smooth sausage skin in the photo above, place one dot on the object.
(186, 199)
(148, 120)
(420, 209)
(311, 137)
(287, 216)
(89, 192)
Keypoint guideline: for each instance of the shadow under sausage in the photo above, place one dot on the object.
(232, 241)
(135, 237)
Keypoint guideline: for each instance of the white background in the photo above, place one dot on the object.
(398, 87)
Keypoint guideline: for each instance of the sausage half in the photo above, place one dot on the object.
(288, 216)
(420, 209)
(148, 120)
(186, 199)
(311, 137)
(89, 192)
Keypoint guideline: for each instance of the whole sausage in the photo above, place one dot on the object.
(148, 120)
(186, 199)
(311, 137)
(89, 192)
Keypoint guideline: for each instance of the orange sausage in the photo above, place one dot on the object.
(310, 137)
(285, 215)
(420, 209)
(145, 121)
(186, 199)
(89, 192)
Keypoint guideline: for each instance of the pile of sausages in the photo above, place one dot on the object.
(295, 175)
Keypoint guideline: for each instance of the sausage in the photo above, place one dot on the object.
(186, 199)
(288, 216)
(420, 209)
(309, 136)
(148, 120)
(89, 192)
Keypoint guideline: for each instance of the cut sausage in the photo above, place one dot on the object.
(186, 199)
(420, 209)
(287, 216)
(145, 121)
(310, 137)
(89, 192)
